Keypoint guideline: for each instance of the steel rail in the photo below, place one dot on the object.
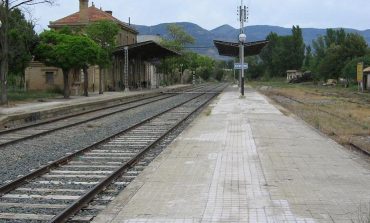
(78, 122)
(45, 169)
(76, 206)
(48, 121)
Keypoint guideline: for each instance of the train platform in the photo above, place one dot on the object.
(21, 112)
(243, 160)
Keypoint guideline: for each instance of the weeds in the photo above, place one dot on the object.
(208, 112)
(363, 214)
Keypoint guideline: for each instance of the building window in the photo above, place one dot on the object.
(49, 76)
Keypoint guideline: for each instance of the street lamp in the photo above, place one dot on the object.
(242, 40)
(243, 13)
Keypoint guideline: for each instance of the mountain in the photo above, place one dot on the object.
(204, 38)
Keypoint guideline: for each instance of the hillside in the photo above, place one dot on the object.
(204, 38)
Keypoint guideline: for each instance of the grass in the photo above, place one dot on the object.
(339, 112)
(19, 95)
(208, 111)
(363, 214)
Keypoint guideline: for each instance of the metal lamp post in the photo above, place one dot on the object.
(243, 12)
(242, 39)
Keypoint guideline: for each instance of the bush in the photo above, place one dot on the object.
(350, 69)
(219, 75)
(205, 73)
(55, 90)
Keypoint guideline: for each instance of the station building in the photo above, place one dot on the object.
(134, 62)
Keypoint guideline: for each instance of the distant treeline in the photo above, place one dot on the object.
(333, 55)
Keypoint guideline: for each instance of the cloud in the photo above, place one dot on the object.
(213, 13)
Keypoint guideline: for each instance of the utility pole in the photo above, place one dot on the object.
(243, 11)
(4, 57)
(125, 69)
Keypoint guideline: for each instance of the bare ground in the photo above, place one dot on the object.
(342, 114)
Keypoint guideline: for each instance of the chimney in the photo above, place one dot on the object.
(109, 12)
(84, 5)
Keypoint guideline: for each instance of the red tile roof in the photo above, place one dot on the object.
(94, 15)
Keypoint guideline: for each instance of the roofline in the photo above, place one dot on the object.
(231, 49)
(131, 46)
(114, 19)
(236, 43)
(123, 25)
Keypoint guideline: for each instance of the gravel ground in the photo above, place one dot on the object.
(114, 190)
(20, 158)
(108, 125)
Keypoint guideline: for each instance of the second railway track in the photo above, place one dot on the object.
(14, 135)
(56, 192)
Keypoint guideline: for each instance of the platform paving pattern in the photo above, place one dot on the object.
(243, 160)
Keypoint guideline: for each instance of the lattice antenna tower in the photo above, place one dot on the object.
(243, 15)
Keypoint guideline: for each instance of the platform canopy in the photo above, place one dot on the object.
(231, 49)
(146, 50)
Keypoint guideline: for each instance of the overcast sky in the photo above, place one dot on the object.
(212, 13)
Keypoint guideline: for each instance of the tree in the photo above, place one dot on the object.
(6, 7)
(256, 68)
(308, 58)
(105, 34)
(298, 48)
(22, 41)
(334, 50)
(283, 53)
(177, 40)
(267, 53)
(350, 69)
(67, 52)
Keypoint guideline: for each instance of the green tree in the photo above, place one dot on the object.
(6, 7)
(22, 41)
(205, 66)
(308, 58)
(283, 52)
(350, 69)
(298, 49)
(334, 50)
(331, 65)
(105, 34)
(67, 52)
(256, 67)
(176, 40)
(268, 52)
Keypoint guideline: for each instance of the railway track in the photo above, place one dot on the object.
(322, 110)
(14, 135)
(60, 190)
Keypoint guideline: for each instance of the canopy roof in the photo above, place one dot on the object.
(146, 50)
(231, 49)
(367, 70)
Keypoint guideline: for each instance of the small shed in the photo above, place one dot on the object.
(366, 79)
(293, 74)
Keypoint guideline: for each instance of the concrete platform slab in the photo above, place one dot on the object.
(247, 162)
